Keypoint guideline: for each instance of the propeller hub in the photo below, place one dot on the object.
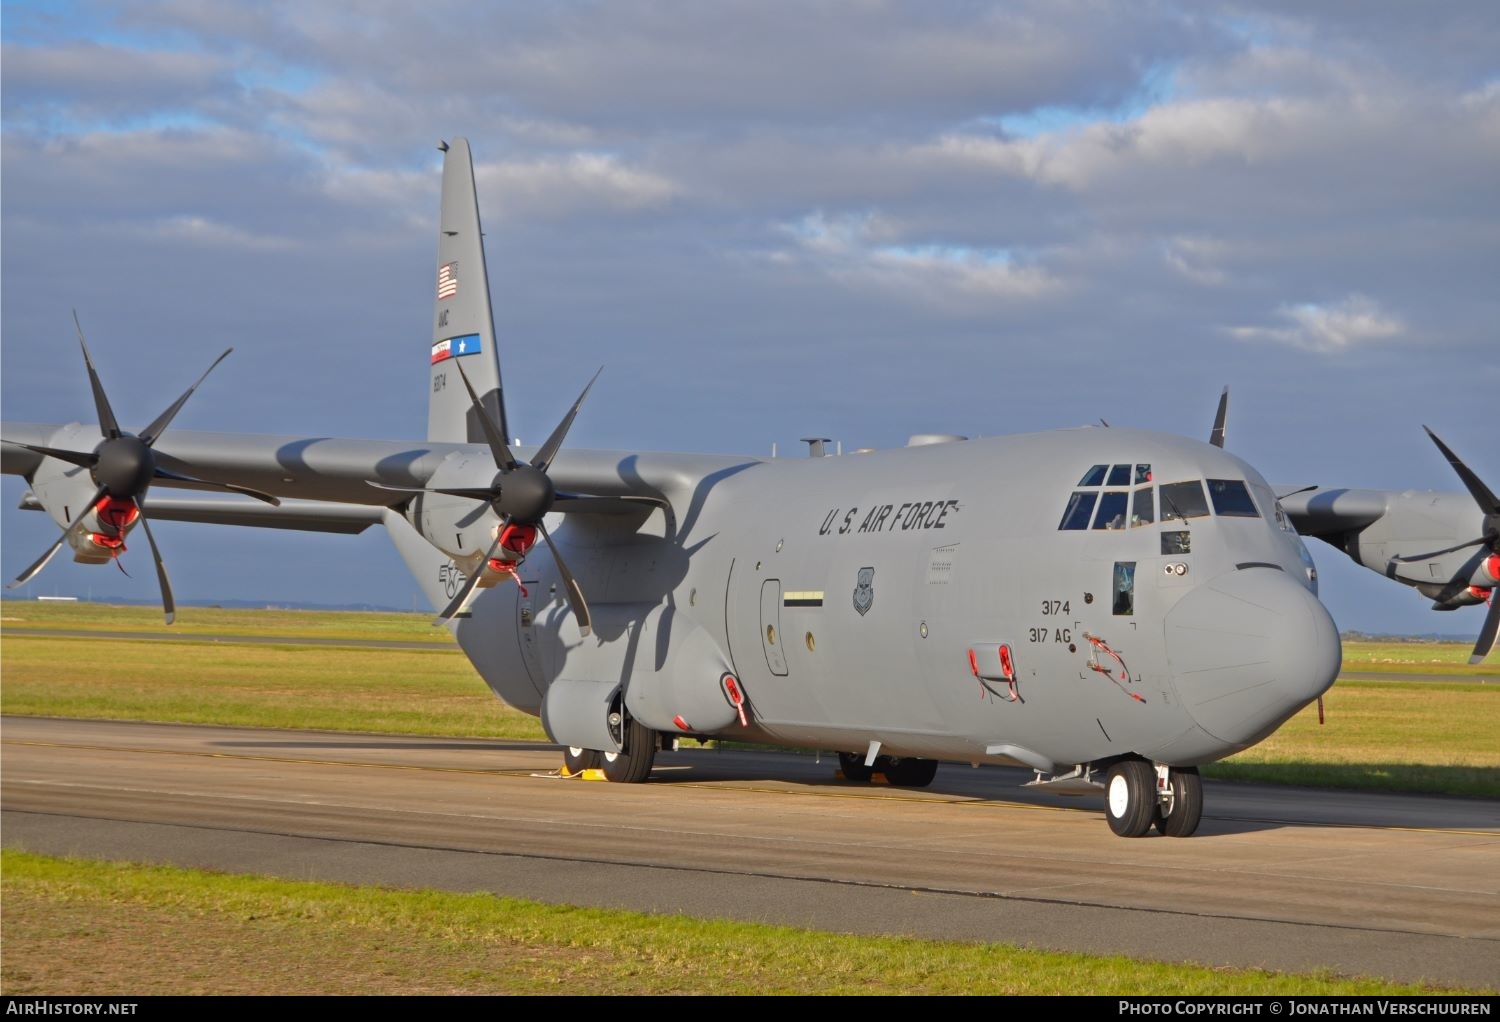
(124, 466)
(524, 493)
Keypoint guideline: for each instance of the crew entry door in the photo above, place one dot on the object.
(770, 626)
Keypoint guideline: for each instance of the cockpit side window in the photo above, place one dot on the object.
(1142, 508)
(1143, 473)
(1183, 500)
(1232, 499)
(1094, 476)
(1111, 510)
(1080, 508)
(1270, 507)
(1119, 476)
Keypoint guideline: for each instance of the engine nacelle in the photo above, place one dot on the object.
(101, 537)
(1469, 597)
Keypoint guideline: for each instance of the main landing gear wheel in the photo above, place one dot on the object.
(1130, 797)
(576, 760)
(910, 773)
(853, 766)
(632, 764)
(1180, 814)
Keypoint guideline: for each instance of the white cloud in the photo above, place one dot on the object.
(198, 230)
(561, 186)
(1354, 322)
(1196, 259)
(865, 251)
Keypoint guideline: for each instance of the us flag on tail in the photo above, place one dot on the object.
(447, 284)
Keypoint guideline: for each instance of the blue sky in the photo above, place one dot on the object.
(860, 220)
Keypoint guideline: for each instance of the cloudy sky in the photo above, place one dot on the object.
(858, 219)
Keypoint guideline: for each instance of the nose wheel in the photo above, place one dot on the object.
(1130, 797)
(1139, 796)
(1179, 811)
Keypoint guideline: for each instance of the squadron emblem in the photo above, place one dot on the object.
(864, 591)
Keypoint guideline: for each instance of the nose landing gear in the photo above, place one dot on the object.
(1138, 796)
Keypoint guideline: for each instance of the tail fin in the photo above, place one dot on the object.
(463, 325)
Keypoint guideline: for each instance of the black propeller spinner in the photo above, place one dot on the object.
(123, 467)
(1489, 537)
(520, 494)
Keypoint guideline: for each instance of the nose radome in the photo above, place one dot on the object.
(1247, 650)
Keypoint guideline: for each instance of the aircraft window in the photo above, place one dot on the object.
(1143, 473)
(1111, 510)
(1119, 476)
(1143, 508)
(1232, 499)
(1094, 476)
(1080, 507)
(1270, 507)
(1124, 587)
(1176, 543)
(1183, 500)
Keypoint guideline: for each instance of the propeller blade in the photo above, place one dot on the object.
(1293, 493)
(109, 426)
(1217, 436)
(150, 434)
(1437, 553)
(1487, 501)
(548, 450)
(207, 484)
(1487, 633)
(499, 449)
(168, 605)
(462, 597)
(71, 457)
(41, 562)
(575, 593)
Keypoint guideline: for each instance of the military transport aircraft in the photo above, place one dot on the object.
(1109, 607)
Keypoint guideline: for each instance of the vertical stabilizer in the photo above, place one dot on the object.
(463, 325)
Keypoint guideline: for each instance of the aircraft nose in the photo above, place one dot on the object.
(1249, 649)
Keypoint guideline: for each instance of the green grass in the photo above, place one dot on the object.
(1421, 737)
(219, 621)
(435, 692)
(128, 929)
(1441, 659)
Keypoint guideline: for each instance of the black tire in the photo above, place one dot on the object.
(853, 766)
(576, 760)
(910, 773)
(632, 764)
(1130, 797)
(1181, 817)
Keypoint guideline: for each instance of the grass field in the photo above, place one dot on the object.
(1427, 737)
(108, 928)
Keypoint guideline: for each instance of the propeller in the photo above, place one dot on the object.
(1489, 504)
(520, 493)
(123, 466)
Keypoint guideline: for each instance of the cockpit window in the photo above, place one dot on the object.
(1094, 476)
(1119, 476)
(1111, 510)
(1142, 508)
(1183, 500)
(1080, 507)
(1143, 473)
(1232, 499)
